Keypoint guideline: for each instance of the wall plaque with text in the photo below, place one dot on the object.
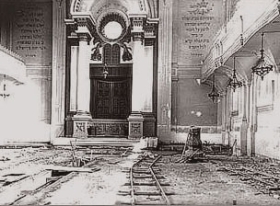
(32, 32)
(197, 22)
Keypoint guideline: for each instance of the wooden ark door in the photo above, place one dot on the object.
(111, 94)
(111, 99)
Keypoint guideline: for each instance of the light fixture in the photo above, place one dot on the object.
(262, 67)
(233, 82)
(3, 89)
(214, 94)
(105, 71)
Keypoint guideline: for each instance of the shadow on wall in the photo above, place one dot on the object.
(20, 114)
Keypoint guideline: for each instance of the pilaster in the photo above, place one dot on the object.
(224, 116)
(253, 117)
(136, 118)
(164, 70)
(229, 117)
(244, 124)
(82, 119)
(58, 69)
(73, 78)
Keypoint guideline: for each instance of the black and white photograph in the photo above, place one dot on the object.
(140, 102)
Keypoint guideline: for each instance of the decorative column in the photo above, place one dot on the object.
(229, 116)
(58, 70)
(136, 118)
(224, 116)
(249, 116)
(149, 127)
(73, 80)
(253, 117)
(164, 70)
(244, 124)
(82, 119)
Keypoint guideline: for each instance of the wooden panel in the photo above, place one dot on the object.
(111, 99)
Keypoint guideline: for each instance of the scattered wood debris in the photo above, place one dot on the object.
(258, 172)
(70, 169)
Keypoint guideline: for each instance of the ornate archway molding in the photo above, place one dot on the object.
(140, 14)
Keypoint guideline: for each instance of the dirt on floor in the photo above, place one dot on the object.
(199, 183)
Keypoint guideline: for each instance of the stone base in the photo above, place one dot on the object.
(81, 123)
(149, 127)
(135, 120)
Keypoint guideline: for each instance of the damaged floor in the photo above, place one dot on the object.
(105, 176)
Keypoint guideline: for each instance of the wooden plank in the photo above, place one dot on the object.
(13, 179)
(69, 169)
(146, 184)
(35, 196)
(12, 192)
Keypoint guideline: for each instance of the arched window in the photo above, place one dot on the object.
(112, 54)
(116, 54)
(107, 54)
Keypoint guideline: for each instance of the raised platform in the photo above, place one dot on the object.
(101, 141)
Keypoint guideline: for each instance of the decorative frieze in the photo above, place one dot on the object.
(137, 24)
(149, 30)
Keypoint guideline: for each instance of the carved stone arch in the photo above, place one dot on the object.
(152, 8)
(96, 7)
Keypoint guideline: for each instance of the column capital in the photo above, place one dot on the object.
(84, 37)
(137, 31)
(84, 26)
(138, 36)
(150, 33)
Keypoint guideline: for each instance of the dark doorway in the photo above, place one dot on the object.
(111, 93)
(111, 99)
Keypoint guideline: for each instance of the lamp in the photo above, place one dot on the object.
(233, 82)
(3, 88)
(214, 94)
(262, 67)
(105, 71)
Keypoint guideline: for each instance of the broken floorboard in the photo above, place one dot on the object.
(38, 194)
(71, 169)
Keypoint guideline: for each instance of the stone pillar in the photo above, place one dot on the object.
(253, 117)
(224, 116)
(229, 116)
(137, 78)
(249, 116)
(244, 124)
(136, 118)
(147, 76)
(73, 78)
(82, 119)
(164, 70)
(58, 70)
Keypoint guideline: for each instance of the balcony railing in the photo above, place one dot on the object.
(11, 53)
(12, 64)
(238, 30)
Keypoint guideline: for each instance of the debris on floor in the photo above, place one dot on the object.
(101, 175)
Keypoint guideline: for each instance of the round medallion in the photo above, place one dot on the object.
(112, 30)
(112, 26)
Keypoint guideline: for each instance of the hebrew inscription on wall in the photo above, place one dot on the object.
(197, 22)
(32, 32)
